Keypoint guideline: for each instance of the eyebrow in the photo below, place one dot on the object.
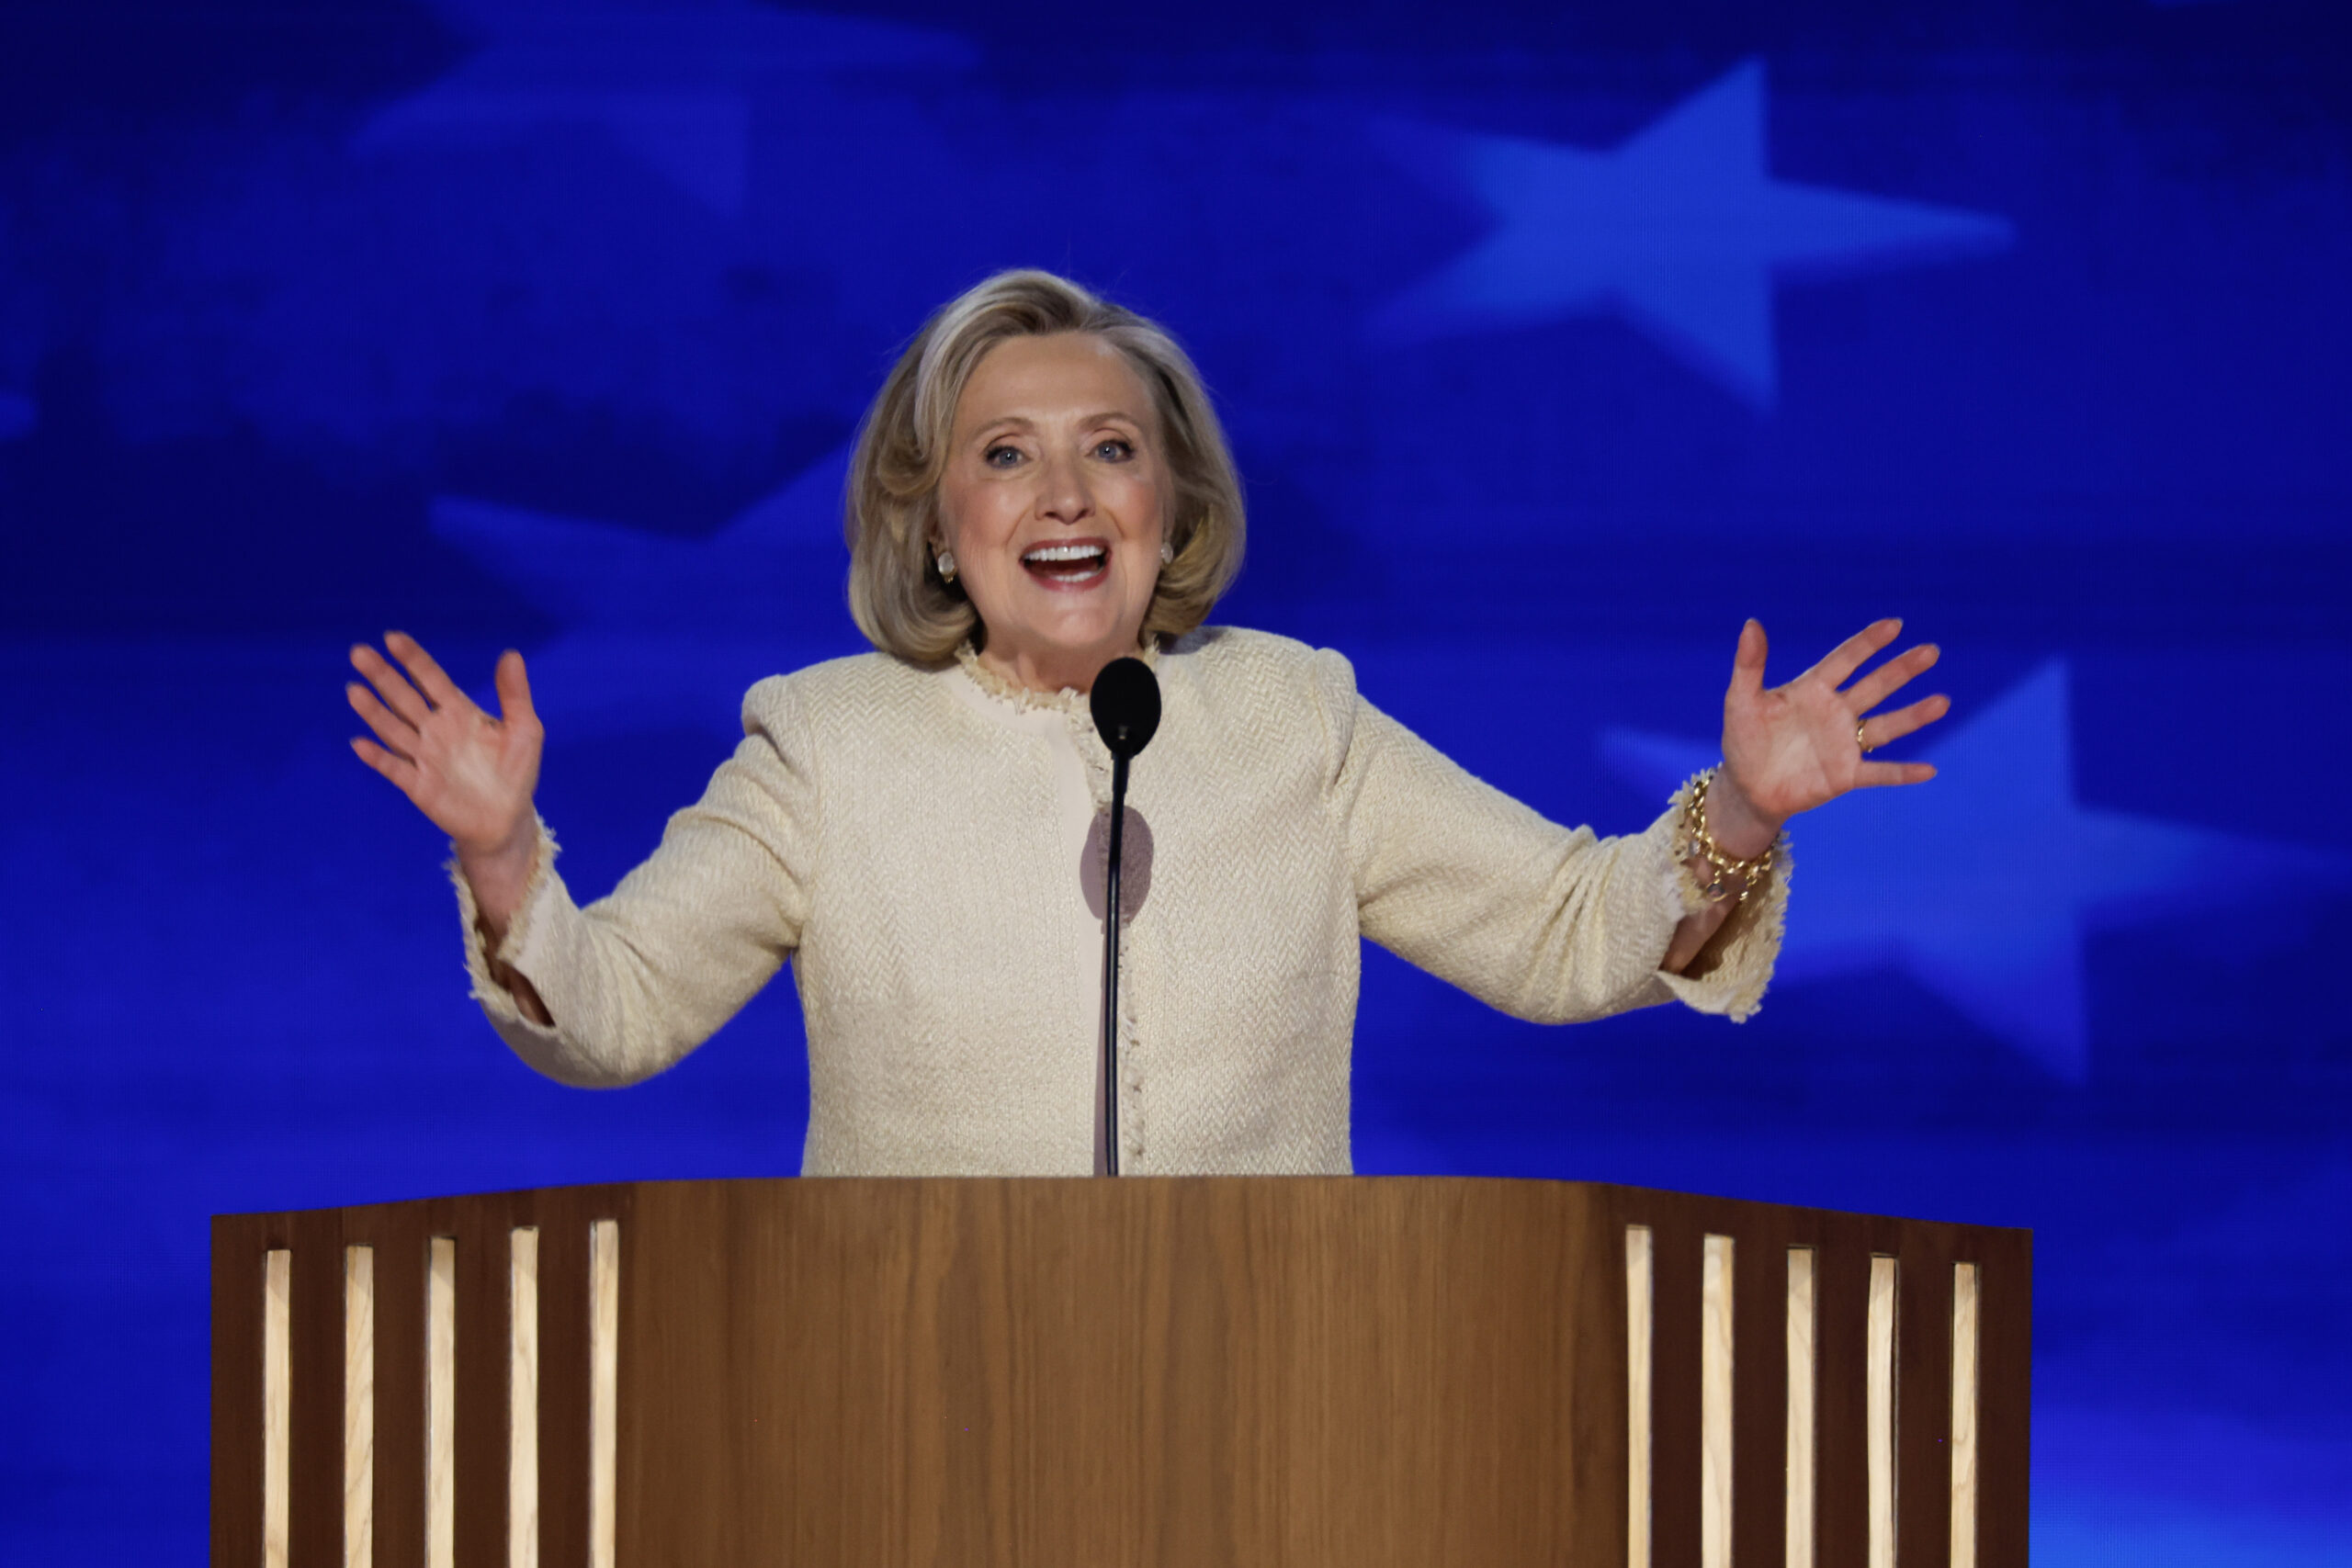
(1023, 421)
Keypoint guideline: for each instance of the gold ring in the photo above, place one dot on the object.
(1861, 744)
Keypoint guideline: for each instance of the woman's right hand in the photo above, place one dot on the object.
(473, 776)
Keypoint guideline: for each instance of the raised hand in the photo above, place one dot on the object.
(473, 776)
(1792, 748)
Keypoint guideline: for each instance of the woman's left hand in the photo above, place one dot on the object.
(1795, 747)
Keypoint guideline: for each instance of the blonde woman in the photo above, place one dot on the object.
(1042, 486)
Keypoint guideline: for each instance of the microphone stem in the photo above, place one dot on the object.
(1110, 1057)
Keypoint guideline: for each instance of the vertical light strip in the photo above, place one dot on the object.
(1802, 1384)
(1879, 1403)
(441, 1403)
(1714, 1403)
(1964, 1416)
(523, 1399)
(358, 1407)
(603, 1385)
(276, 1401)
(1637, 1397)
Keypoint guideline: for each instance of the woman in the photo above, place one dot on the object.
(1042, 487)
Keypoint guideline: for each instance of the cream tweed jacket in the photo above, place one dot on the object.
(923, 847)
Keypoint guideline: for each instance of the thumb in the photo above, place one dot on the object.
(1747, 662)
(514, 689)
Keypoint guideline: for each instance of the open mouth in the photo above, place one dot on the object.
(1078, 563)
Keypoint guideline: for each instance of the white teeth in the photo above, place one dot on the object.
(1064, 552)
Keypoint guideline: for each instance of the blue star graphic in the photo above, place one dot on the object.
(18, 415)
(661, 632)
(670, 83)
(1982, 884)
(1681, 230)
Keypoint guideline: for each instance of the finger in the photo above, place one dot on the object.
(1748, 661)
(400, 769)
(515, 691)
(430, 678)
(1875, 776)
(1850, 655)
(398, 736)
(1882, 727)
(1891, 677)
(401, 697)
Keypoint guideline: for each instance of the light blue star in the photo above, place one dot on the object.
(662, 632)
(1681, 230)
(670, 82)
(1982, 883)
(18, 415)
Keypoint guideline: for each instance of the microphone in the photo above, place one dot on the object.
(1125, 706)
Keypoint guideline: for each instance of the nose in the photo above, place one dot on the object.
(1064, 496)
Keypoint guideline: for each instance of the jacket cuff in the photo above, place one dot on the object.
(1729, 975)
(484, 967)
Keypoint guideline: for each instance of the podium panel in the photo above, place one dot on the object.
(1148, 1371)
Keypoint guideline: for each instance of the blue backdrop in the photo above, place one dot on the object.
(1555, 340)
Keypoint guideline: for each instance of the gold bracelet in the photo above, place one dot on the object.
(1752, 873)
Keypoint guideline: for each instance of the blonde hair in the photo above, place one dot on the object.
(891, 509)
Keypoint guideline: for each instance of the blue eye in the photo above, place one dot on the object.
(1114, 450)
(1000, 457)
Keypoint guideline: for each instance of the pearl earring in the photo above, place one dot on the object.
(947, 566)
(1167, 552)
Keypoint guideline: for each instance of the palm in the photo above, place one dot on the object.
(473, 774)
(1795, 747)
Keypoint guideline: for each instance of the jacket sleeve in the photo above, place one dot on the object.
(641, 977)
(1548, 923)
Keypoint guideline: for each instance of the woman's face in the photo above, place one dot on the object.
(1055, 502)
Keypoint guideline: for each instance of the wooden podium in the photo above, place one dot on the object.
(1141, 1371)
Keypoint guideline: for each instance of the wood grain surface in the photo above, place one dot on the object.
(1164, 1370)
(1798, 1482)
(1641, 1362)
(522, 1398)
(277, 1404)
(1718, 1276)
(358, 1407)
(1964, 1416)
(1879, 1402)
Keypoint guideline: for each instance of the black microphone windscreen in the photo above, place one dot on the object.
(1126, 705)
